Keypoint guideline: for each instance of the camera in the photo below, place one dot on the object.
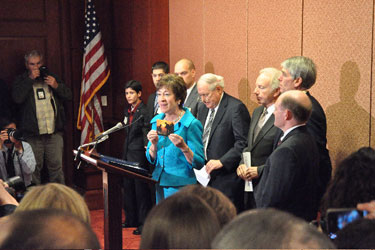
(12, 132)
(338, 218)
(43, 72)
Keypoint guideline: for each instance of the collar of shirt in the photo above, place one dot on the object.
(270, 111)
(289, 130)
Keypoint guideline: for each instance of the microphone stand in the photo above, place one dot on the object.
(93, 143)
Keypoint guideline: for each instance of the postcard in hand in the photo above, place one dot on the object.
(164, 127)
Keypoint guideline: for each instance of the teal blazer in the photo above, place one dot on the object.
(171, 166)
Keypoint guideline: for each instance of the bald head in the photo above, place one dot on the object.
(292, 108)
(186, 69)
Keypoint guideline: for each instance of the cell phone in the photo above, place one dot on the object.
(338, 218)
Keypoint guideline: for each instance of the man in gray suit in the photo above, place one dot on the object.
(186, 69)
(262, 129)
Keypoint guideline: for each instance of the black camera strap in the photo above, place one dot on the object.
(9, 162)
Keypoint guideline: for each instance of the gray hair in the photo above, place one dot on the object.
(273, 74)
(212, 80)
(301, 66)
(33, 53)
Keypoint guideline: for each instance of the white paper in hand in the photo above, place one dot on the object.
(247, 160)
(202, 176)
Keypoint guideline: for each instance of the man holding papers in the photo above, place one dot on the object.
(262, 129)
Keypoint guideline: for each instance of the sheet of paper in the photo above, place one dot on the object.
(202, 176)
(247, 160)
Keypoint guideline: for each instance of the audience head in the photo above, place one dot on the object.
(298, 72)
(176, 85)
(158, 70)
(33, 60)
(267, 86)
(223, 207)
(292, 108)
(181, 221)
(352, 182)
(269, 228)
(186, 69)
(210, 89)
(58, 196)
(46, 229)
(359, 234)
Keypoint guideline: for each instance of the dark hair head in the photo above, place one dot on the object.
(161, 65)
(352, 182)
(223, 207)
(359, 234)
(180, 221)
(300, 111)
(301, 66)
(46, 229)
(5, 121)
(134, 85)
(269, 229)
(176, 84)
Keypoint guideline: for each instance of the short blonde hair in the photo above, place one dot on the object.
(58, 196)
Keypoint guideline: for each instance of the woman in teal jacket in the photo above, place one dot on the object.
(175, 155)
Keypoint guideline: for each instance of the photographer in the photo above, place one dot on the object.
(40, 96)
(16, 157)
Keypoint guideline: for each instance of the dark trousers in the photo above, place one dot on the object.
(249, 201)
(137, 201)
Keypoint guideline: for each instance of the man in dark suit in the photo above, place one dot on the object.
(289, 178)
(299, 73)
(186, 69)
(262, 130)
(226, 123)
(158, 70)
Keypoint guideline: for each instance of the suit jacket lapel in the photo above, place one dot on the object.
(266, 127)
(191, 97)
(219, 115)
(253, 124)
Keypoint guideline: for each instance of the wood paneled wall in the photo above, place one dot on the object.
(135, 34)
(236, 39)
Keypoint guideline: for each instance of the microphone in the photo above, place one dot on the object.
(118, 126)
(94, 142)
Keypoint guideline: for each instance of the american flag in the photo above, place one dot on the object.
(95, 72)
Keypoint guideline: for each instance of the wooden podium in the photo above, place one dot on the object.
(112, 183)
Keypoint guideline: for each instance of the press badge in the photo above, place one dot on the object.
(41, 94)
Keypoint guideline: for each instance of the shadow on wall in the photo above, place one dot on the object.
(347, 121)
(209, 68)
(244, 90)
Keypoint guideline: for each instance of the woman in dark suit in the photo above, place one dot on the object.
(137, 195)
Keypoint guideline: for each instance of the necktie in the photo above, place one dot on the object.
(260, 124)
(10, 166)
(207, 129)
